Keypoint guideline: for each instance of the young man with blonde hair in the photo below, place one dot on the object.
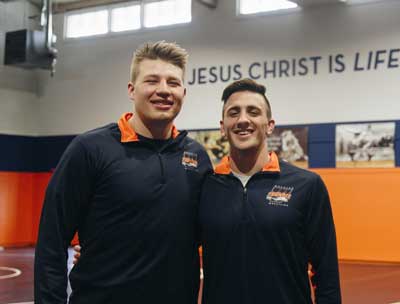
(130, 189)
(262, 220)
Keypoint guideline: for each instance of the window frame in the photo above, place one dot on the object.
(120, 5)
(265, 13)
(109, 8)
(83, 11)
(143, 3)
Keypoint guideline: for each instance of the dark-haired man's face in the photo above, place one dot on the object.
(245, 121)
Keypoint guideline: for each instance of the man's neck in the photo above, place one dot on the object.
(156, 130)
(248, 162)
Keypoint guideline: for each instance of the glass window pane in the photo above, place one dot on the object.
(167, 12)
(258, 6)
(125, 18)
(87, 24)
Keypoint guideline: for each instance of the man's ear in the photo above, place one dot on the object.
(131, 90)
(221, 127)
(270, 127)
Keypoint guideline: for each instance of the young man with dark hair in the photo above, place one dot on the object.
(261, 219)
(131, 190)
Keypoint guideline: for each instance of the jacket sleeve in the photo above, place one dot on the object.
(321, 242)
(68, 192)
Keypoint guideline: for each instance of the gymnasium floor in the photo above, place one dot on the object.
(361, 283)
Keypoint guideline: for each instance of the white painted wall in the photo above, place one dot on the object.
(18, 112)
(89, 88)
(349, 96)
(18, 100)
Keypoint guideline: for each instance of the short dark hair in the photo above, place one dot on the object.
(246, 84)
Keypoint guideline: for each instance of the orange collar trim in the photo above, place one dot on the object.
(272, 166)
(128, 134)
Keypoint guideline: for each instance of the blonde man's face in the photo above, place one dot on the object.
(158, 91)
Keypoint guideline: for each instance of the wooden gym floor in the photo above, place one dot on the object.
(362, 283)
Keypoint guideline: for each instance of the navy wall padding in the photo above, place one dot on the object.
(41, 154)
(31, 154)
(321, 146)
(16, 153)
(397, 144)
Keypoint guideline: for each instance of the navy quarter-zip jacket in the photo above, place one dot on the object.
(258, 240)
(135, 209)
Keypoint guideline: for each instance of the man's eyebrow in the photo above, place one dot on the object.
(232, 108)
(252, 107)
(152, 76)
(158, 76)
(174, 78)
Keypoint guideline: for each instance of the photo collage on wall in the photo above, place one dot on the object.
(289, 143)
(355, 145)
(365, 145)
(215, 144)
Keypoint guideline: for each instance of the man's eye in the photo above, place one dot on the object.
(233, 113)
(174, 83)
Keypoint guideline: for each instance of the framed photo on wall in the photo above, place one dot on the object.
(215, 144)
(365, 145)
(290, 144)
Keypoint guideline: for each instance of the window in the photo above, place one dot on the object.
(167, 12)
(87, 24)
(127, 17)
(260, 6)
(350, 2)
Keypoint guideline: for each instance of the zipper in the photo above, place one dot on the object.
(162, 169)
(244, 203)
(160, 160)
(244, 249)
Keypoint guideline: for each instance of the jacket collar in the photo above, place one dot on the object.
(128, 134)
(272, 166)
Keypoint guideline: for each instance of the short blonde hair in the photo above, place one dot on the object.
(167, 51)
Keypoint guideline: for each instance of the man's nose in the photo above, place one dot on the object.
(163, 88)
(243, 119)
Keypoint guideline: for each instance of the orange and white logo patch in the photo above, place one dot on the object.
(280, 195)
(189, 160)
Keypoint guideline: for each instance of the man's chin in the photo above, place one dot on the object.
(244, 147)
(162, 118)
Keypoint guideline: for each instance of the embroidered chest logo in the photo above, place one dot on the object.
(189, 160)
(280, 195)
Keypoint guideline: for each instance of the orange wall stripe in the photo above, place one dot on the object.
(365, 204)
(366, 208)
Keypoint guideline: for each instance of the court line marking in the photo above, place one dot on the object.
(16, 272)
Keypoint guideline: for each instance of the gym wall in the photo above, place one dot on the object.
(328, 69)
